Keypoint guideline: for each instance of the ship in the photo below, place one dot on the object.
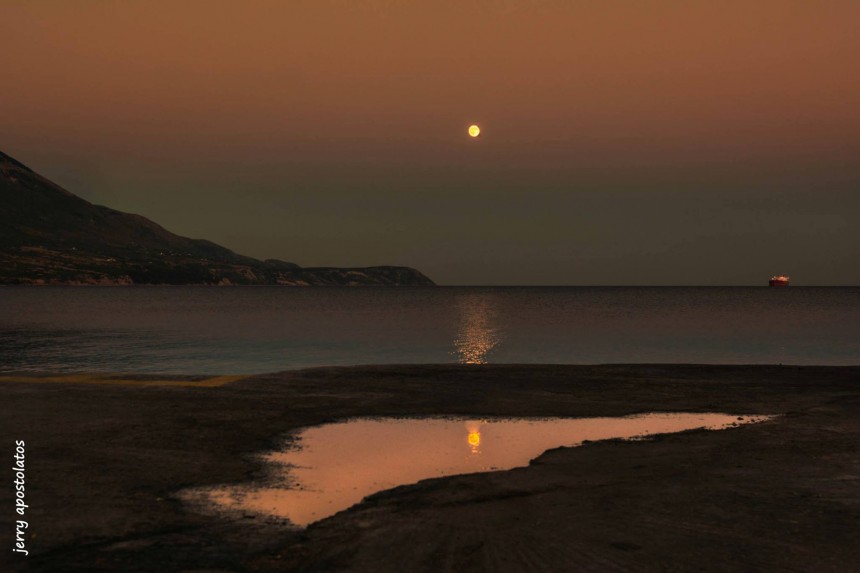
(778, 281)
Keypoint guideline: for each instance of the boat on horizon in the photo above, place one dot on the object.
(778, 281)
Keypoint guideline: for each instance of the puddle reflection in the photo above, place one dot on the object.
(473, 437)
(332, 467)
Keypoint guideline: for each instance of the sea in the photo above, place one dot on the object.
(246, 330)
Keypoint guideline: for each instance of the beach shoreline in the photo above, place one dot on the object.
(105, 462)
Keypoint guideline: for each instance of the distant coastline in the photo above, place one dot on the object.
(49, 236)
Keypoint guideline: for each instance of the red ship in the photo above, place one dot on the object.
(778, 281)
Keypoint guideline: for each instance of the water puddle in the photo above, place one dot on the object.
(328, 468)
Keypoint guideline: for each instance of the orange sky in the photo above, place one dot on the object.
(348, 119)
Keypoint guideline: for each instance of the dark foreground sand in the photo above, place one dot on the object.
(104, 463)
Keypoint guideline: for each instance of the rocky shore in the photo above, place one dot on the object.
(105, 462)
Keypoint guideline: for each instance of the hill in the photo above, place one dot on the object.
(51, 236)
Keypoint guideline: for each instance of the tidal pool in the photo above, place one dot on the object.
(326, 469)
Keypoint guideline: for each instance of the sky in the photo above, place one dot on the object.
(623, 142)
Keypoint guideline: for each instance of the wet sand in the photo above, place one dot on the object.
(105, 462)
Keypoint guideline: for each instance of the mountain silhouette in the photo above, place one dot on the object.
(51, 236)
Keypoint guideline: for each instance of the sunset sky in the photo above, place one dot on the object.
(623, 142)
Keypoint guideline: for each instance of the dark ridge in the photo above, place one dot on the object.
(51, 236)
(6, 159)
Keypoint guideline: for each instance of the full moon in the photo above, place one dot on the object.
(474, 130)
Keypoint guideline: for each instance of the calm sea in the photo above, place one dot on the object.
(197, 330)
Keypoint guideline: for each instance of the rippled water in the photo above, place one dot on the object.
(260, 329)
(328, 468)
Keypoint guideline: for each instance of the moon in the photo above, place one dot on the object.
(474, 130)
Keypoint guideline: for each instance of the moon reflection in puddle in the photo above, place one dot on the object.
(328, 468)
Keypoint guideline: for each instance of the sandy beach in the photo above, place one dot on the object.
(104, 463)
